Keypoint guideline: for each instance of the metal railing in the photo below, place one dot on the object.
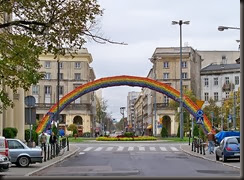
(198, 145)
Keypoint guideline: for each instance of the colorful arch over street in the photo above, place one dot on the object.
(122, 80)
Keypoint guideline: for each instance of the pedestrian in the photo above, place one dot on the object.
(53, 141)
(43, 141)
(211, 142)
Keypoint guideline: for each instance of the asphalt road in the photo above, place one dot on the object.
(136, 159)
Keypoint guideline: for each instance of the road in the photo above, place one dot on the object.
(136, 159)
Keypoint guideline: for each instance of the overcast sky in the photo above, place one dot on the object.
(146, 25)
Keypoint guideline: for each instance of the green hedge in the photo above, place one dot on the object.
(140, 138)
(34, 136)
(10, 132)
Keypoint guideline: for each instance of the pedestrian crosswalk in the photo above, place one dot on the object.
(132, 149)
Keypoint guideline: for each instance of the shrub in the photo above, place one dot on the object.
(86, 134)
(195, 131)
(15, 131)
(8, 132)
(34, 136)
(164, 132)
(75, 131)
(128, 134)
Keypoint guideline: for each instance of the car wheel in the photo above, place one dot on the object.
(224, 158)
(217, 157)
(23, 161)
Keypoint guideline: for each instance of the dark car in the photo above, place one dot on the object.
(22, 155)
(229, 148)
(5, 164)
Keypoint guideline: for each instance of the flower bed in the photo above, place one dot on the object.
(119, 138)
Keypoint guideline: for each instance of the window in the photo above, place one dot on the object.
(166, 64)
(227, 80)
(206, 82)
(61, 65)
(236, 80)
(184, 75)
(47, 64)
(13, 144)
(166, 99)
(35, 89)
(61, 76)
(47, 89)
(227, 95)
(48, 76)
(77, 76)
(166, 75)
(216, 82)
(206, 96)
(61, 90)
(224, 60)
(77, 65)
(216, 96)
(184, 64)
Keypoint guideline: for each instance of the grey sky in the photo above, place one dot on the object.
(146, 25)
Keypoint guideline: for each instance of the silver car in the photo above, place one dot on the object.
(21, 155)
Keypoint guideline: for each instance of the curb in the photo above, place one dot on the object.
(209, 159)
(44, 167)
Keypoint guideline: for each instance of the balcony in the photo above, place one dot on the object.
(46, 106)
(228, 87)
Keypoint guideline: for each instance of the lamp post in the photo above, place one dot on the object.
(58, 89)
(222, 28)
(122, 111)
(180, 22)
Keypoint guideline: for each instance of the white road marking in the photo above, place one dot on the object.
(141, 148)
(81, 153)
(130, 148)
(98, 149)
(109, 148)
(120, 148)
(88, 149)
(152, 148)
(174, 149)
(163, 149)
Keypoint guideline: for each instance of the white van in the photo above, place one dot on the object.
(4, 146)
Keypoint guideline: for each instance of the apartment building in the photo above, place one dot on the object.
(218, 81)
(166, 69)
(73, 73)
(218, 57)
(131, 98)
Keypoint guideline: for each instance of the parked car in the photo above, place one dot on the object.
(229, 148)
(5, 163)
(22, 155)
(4, 146)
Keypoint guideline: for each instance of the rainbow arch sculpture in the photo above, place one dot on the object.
(122, 80)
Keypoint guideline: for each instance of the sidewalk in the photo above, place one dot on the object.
(211, 157)
(33, 168)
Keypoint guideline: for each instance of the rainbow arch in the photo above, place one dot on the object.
(123, 80)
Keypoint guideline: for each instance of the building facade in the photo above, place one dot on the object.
(217, 57)
(74, 72)
(166, 69)
(131, 98)
(219, 81)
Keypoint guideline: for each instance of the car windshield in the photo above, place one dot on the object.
(233, 141)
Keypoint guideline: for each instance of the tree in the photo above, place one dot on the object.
(120, 125)
(33, 27)
(186, 114)
(101, 108)
(216, 110)
(72, 127)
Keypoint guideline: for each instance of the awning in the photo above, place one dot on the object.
(149, 127)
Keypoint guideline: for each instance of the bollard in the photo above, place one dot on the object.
(67, 144)
(51, 154)
(200, 142)
(192, 146)
(204, 148)
(197, 145)
(48, 152)
(45, 151)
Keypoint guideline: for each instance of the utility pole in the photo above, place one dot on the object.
(234, 110)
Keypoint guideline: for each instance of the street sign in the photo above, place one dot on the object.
(230, 118)
(200, 113)
(160, 125)
(199, 120)
(30, 101)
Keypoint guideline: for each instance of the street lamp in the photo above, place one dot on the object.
(222, 28)
(180, 22)
(58, 92)
(122, 111)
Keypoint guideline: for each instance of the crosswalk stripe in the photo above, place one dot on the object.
(163, 149)
(174, 149)
(130, 148)
(120, 149)
(98, 149)
(109, 148)
(88, 149)
(141, 148)
(152, 148)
